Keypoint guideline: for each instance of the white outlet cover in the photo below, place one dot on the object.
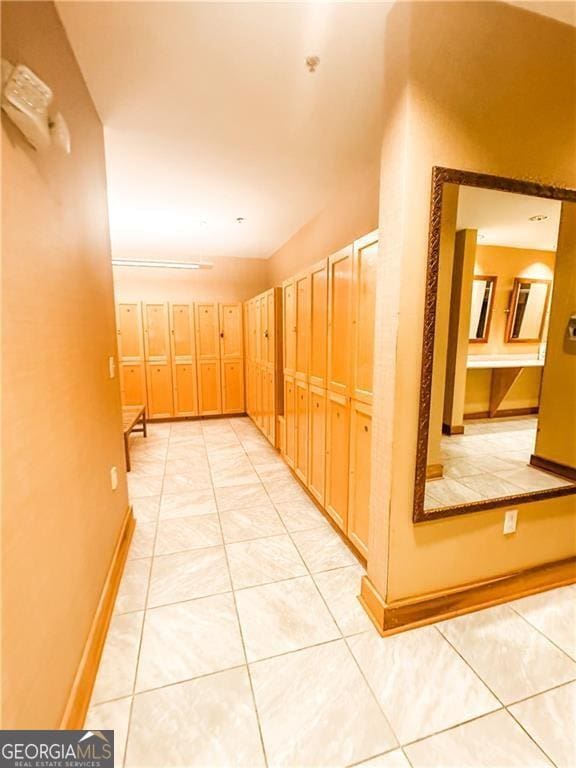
(112, 367)
(510, 520)
(114, 478)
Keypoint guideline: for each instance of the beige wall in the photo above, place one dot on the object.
(449, 67)
(62, 424)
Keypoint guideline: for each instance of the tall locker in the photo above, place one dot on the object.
(159, 386)
(158, 360)
(209, 391)
(132, 382)
(270, 331)
(364, 305)
(183, 347)
(131, 363)
(289, 326)
(337, 458)
(317, 443)
(302, 323)
(301, 426)
(231, 354)
(360, 472)
(290, 420)
(208, 372)
(340, 267)
(232, 386)
(318, 323)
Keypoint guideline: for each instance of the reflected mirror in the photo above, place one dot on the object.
(495, 415)
(481, 308)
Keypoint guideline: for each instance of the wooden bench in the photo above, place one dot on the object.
(132, 415)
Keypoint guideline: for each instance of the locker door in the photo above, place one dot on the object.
(318, 323)
(265, 402)
(132, 383)
(290, 421)
(339, 320)
(156, 332)
(271, 389)
(301, 416)
(209, 393)
(261, 338)
(129, 331)
(185, 390)
(302, 312)
(231, 331)
(289, 327)
(159, 386)
(182, 331)
(317, 442)
(360, 460)
(232, 386)
(364, 303)
(183, 345)
(207, 331)
(337, 458)
(271, 327)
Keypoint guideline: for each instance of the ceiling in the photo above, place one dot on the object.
(210, 114)
(503, 218)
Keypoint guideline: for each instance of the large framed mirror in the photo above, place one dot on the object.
(496, 419)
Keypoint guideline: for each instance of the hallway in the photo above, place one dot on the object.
(237, 637)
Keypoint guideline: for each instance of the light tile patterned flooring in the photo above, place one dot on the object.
(490, 460)
(237, 638)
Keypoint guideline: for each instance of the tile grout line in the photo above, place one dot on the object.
(541, 632)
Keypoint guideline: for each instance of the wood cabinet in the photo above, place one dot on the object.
(318, 324)
(337, 458)
(185, 388)
(129, 331)
(232, 386)
(159, 388)
(183, 347)
(302, 328)
(156, 331)
(340, 271)
(317, 443)
(209, 387)
(360, 474)
(289, 326)
(157, 353)
(301, 427)
(182, 331)
(132, 383)
(207, 331)
(289, 421)
(230, 331)
(364, 305)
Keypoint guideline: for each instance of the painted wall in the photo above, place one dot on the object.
(62, 422)
(449, 67)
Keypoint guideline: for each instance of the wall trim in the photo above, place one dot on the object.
(79, 698)
(553, 466)
(452, 429)
(502, 413)
(390, 618)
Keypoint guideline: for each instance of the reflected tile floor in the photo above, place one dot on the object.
(491, 459)
(237, 638)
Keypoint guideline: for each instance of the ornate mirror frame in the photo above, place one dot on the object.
(512, 309)
(441, 176)
(493, 280)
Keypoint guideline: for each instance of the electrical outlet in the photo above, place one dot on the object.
(510, 520)
(111, 367)
(114, 478)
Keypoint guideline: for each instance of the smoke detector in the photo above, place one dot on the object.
(312, 62)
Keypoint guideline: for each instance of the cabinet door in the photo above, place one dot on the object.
(129, 331)
(133, 383)
(159, 386)
(259, 412)
(289, 421)
(318, 323)
(364, 303)
(182, 331)
(209, 394)
(301, 408)
(339, 320)
(270, 399)
(317, 443)
(232, 386)
(185, 389)
(231, 331)
(302, 312)
(265, 402)
(289, 327)
(337, 458)
(207, 331)
(156, 332)
(360, 460)
(271, 328)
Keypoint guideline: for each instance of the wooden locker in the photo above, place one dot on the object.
(270, 328)
(302, 316)
(340, 271)
(132, 383)
(129, 331)
(266, 403)
(318, 323)
(209, 391)
(364, 305)
(182, 331)
(289, 421)
(232, 386)
(207, 331)
(159, 386)
(360, 466)
(317, 443)
(261, 337)
(271, 394)
(259, 410)
(289, 326)
(301, 425)
(183, 347)
(185, 389)
(231, 346)
(337, 457)
(156, 332)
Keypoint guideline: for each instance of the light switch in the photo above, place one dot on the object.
(111, 367)
(510, 520)
(114, 478)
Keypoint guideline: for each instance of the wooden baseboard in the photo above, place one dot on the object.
(452, 429)
(502, 414)
(434, 471)
(407, 614)
(79, 699)
(554, 467)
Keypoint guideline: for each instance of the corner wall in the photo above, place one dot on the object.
(62, 422)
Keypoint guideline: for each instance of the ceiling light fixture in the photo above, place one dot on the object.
(539, 217)
(312, 62)
(162, 264)
(240, 220)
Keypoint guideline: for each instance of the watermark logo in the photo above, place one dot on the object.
(56, 749)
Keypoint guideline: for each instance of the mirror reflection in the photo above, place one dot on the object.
(494, 401)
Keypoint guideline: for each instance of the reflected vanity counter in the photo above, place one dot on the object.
(505, 371)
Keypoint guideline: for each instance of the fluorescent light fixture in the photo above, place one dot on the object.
(162, 264)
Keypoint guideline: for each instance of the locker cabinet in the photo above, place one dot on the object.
(302, 332)
(270, 411)
(230, 331)
(289, 327)
(182, 331)
(185, 390)
(364, 305)
(339, 320)
(232, 386)
(318, 323)
(360, 472)
(129, 331)
(159, 387)
(317, 443)
(209, 392)
(183, 345)
(337, 458)
(207, 331)
(301, 425)
(270, 331)
(133, 383)
(290, 421)
(156, 331)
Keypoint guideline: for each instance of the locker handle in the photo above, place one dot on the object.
(365, 429)
(221, 334)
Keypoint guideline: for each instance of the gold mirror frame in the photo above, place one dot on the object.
(512, 309)
(441, 176)
(493, 280)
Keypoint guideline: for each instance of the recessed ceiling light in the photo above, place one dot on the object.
(240, 220)
(312, 62)
(539, 217)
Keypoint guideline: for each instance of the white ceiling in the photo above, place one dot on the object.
(502, 218)
(210, 113)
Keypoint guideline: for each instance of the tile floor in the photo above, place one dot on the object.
(491, 459)
(237, 638)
